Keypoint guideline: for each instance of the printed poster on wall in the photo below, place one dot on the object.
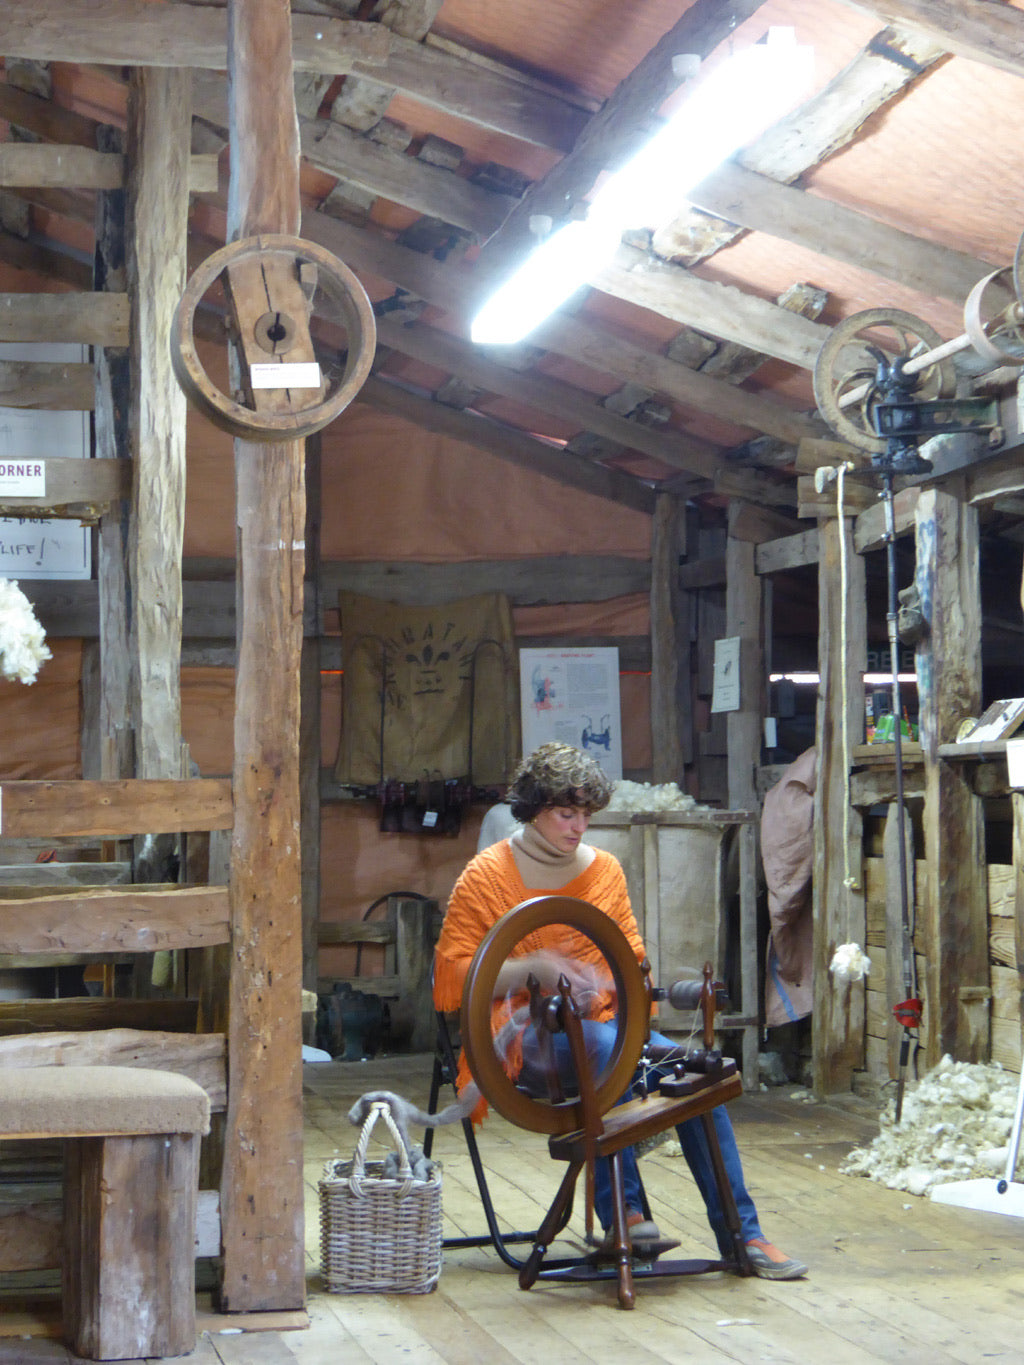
(572, 696)
(52, 547)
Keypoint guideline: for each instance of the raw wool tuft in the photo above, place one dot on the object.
(850, 962)
(21, 636)
(637, 796)
(956, 1125)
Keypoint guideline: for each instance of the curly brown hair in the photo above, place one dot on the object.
(557, 775)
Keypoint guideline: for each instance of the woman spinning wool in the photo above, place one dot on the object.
(553, 794)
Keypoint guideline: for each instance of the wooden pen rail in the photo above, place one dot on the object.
(140, 918)
(114, 809)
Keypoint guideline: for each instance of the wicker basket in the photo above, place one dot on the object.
(379, 1235)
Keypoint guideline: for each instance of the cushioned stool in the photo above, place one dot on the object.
(131, 1174)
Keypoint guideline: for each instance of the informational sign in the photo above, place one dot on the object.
(292, 375)
(572, 696)
(725, 694)
(1015, 762)
(31, 547)
(23, 478)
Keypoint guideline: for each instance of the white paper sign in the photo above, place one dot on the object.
(725, 695)
(572, 696)
(23, 478)
(1015, 762)
(30, 547)
(279, 375)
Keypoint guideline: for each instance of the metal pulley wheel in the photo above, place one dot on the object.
(1000, 339)
(302, 333)
(845, 372)
(632, 1012)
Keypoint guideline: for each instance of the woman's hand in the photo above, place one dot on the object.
(585, 981)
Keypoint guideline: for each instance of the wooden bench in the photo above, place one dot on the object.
(131, 1140)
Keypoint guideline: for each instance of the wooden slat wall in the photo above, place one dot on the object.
(1005, 1007)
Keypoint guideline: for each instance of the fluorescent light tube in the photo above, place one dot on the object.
(730, 108)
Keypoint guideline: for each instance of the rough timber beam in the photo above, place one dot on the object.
(624, 121)
(261, 1192)
(988, 31)
(508, 444)
(136, 33)
(457, 290)
(468, 362)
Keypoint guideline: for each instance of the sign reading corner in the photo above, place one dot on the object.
(23, 478)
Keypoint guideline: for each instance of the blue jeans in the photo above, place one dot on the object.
(600, 1041)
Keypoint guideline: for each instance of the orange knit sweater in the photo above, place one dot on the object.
(490, 886)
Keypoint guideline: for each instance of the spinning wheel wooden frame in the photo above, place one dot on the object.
(632, 1021)
(596, 1125)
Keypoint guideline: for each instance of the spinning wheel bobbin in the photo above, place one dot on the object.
(274, 284)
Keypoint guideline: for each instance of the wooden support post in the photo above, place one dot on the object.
(669, 686)
(743, 618)
(955, 928)
(748, 963)
(839, 915)
(414, 945)
(110, 423)
(309, 745)
(159, 130)
(262, 1196)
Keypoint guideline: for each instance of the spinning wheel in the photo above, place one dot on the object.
(303, 337)
(596, 1124)
(844, 374)
(633, 1011)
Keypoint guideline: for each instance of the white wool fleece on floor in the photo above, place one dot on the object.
(956, 1125)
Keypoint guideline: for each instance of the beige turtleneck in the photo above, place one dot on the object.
(542, 866)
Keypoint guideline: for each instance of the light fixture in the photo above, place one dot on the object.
(731, 106)
(810, 679)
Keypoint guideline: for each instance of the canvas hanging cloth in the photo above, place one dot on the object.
(428, 691)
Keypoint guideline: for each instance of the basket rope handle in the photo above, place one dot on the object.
(380, 1109)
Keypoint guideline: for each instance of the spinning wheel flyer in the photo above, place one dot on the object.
(571, 696)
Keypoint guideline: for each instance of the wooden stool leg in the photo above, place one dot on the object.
(725, 1195)
(128, 1277)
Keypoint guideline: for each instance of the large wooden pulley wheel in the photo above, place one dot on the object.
(302, 333)
(633, 1011)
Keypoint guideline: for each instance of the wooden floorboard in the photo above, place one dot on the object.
(892, 1278)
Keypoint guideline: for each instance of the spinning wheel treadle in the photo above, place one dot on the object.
(632, 1012)
(276, 285)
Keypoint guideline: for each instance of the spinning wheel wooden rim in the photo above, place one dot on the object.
(335, 281)
(632, 1021)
